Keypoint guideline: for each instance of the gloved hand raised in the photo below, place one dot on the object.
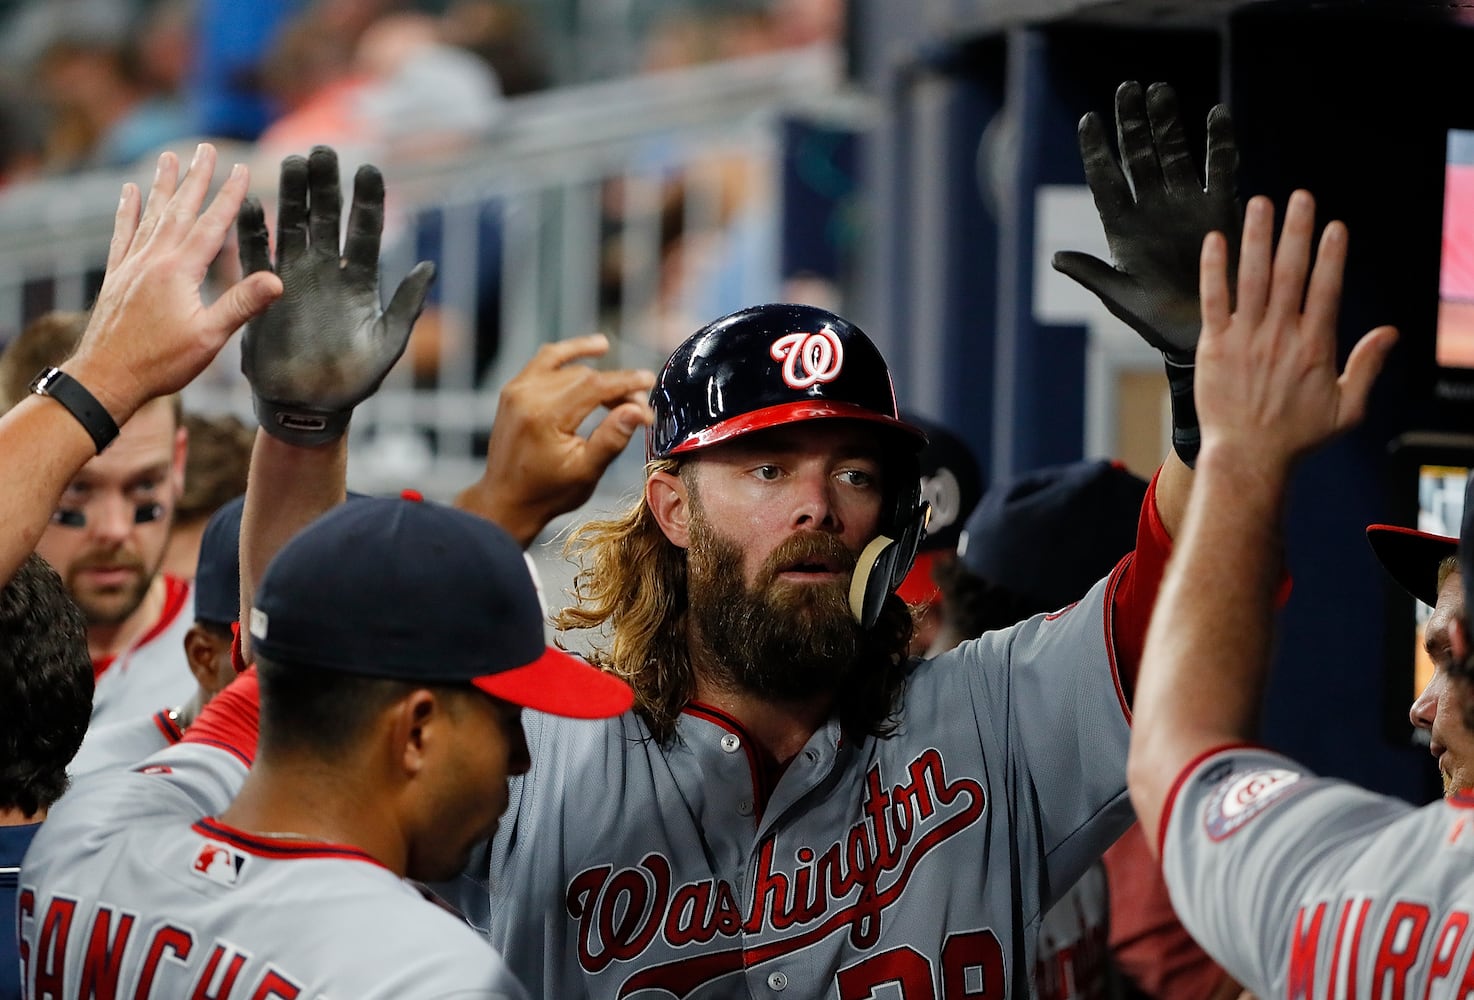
(325, 345)
(1155, 210)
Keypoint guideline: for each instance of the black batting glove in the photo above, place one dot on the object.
(1155, 210)
(325, 345)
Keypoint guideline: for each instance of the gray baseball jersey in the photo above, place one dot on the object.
(124, 743)
(154, 671)
(1307, 887)
(131, 890)
(915, 866)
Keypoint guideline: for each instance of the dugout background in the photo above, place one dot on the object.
(1349, 99)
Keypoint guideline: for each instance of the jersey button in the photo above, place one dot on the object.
(731, 743)
(777, 982)
(744, 807)
(811, 755)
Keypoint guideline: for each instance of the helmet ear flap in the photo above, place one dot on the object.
(883, 564)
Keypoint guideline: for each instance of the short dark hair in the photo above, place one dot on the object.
(45, 687)
(322, 713)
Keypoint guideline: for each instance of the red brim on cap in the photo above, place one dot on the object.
(1412, 557)
(560, 684)
(790, 413)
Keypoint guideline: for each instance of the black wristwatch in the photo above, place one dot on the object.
(92, 415)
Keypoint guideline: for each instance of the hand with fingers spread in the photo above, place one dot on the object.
(325, 346)
(150, 333)
(537, 465)
(1156, 210)
(1268, 383)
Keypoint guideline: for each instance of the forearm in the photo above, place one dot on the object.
(288, 488)
(1207, 650)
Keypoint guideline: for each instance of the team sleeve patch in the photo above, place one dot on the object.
(1243, 796)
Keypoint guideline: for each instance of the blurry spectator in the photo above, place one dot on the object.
(45, 700)
(107, 110)
(232, 40)
(214, 472)
(310, 78)
(952, 482)
(505, 37)
(22, 139)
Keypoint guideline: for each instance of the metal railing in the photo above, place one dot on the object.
(556, 223)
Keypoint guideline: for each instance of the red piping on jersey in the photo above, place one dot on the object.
(1462, 799)
(1171, 800)
(168, 726)
(176, 592)
(762, 788)
(280, 850)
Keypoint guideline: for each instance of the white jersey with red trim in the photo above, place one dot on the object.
(1073, 961)
(1309, 888)
(153, 672)
(914, 866)
(119, 745)
(129, 890)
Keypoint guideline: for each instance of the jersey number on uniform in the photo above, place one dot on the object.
(972, 969)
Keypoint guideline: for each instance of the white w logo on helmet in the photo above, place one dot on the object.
(809, 358)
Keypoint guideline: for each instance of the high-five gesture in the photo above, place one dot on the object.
(538, 466)
(150, 333)
(1268, 383)
(1156, 209)
(326, 345)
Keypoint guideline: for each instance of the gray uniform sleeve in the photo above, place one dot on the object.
(1047, 691)
(1248, 835)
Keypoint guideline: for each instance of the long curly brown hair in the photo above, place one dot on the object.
(631, 585)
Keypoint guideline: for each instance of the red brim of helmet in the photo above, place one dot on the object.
(1412, 557)
(792, 413)
(560, 684)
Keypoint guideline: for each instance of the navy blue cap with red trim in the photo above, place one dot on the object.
(424, 593)
(1412, 557)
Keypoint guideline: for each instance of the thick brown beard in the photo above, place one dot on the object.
(781, 640)
(125, 602)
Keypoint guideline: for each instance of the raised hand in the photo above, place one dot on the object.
(325, 346)
(150, 333)
(1156, 209)
(1268, 383)
(537, 465)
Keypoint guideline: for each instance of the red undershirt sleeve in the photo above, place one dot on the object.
(1136, 590)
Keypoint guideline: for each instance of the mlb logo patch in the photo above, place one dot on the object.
(1244, 796)
(220, 863)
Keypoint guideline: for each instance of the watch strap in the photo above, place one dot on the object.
(92, 415)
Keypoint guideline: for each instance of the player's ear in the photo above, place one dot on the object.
(199, 650)
(181, 456)
(669, 500)
(411, 729)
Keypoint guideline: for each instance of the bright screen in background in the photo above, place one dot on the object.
(1454, 343)
(1440, 512)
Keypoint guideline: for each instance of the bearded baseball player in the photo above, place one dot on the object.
(388, 725)
(794, 806)
(1300, 886)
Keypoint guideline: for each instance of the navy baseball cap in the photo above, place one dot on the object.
(423, 593)
(1412, 557)
(1050, 534)
(217, 578)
